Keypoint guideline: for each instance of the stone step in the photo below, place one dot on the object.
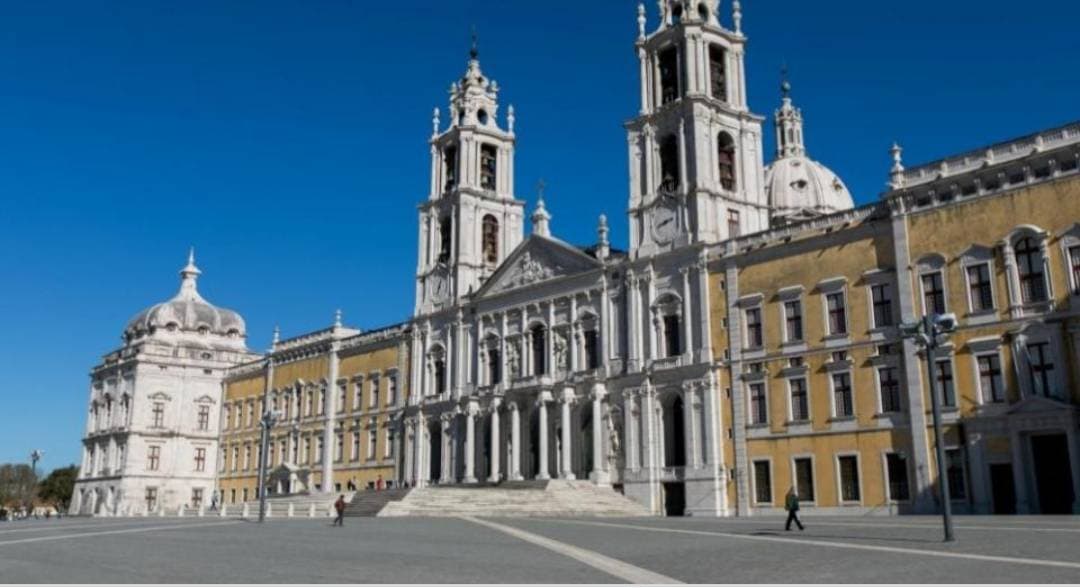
(543, 498)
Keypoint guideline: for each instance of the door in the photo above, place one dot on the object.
(674, 499)
(1002, 488)
(1053, 481)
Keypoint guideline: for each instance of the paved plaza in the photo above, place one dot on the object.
(499, 551)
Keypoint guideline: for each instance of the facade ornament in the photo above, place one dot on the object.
(435, 123)
(736, 16)
(641, 20)
(896, 174)
(540, 217)
(511, 118)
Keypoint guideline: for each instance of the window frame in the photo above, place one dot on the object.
(849, 375)
(831, 330)
(999, 377)
(889, 499)
(757, 329)
(939, 273)
(881, 391)
(970, 286)
(858, 500)
(752, 418)
(791, 400)
(813, 477)
(754, 482)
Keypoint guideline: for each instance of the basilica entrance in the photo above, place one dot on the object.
(674, 433)
(1050, 454)
(434, 451)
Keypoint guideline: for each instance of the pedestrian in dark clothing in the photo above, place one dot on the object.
(791, 504)
(339, 506)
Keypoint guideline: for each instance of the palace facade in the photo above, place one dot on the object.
(745, 343)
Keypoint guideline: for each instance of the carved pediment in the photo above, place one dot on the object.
(1039, 404)
(536, 260)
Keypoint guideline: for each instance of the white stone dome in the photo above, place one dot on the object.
(799, 187)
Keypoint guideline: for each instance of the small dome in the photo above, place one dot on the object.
(187, 312)
(799, 187)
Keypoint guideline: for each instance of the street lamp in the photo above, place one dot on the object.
(930, 333)
(268, 420)
(35, 456)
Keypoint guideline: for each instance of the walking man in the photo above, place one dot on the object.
(791, 504)
(339, 506)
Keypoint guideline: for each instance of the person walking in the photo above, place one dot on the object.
(379, 483)
(339, 506)
(791, 504)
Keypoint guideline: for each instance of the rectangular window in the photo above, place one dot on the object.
(1042, 369)
(837, 313)
(450, 161)
(804, 478)
(944, 376)
(228, 418)
(306, 457)
(153, 458)
(896, 469)
(319, 448)
(717, 78)
(322, 401)
(979, 287)
(159, 415)
(762, 482)
(196, 497)
(204, 418)
(373, 400)
(488, 167)
(793, 320)
(671, 335)
(247, 458)
(151, 498)
(339, 446)
(494, 365)
(933, 293)
(372, 436)
(759, 410)
(883, 314)
(235, 458)
(954, 459)
(890, 390)
(592, 350)
(250, 413)
(754, 334)
(200, 459)
(355, 446)
(734, 226)
(990, 384)
(800, 400)
(283, 451)
(1074, 266)
(849, 478)
(387, 443)
(669, 75)
(843, 402)
(342, 397)
(391, 390)
(358, 395)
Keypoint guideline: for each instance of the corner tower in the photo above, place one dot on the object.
(471, 220)
(695, 148)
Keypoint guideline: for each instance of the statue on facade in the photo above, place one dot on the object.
(513, 360)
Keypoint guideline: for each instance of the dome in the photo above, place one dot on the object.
(187, 312)
(799, 187)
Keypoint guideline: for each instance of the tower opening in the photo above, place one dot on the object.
(450, 164)
(726, 161)
(539, 350)
(669, 75)
(717, 73)
(669, 163)
(446, 226)
(491, 239)
(488, 167)
(674, 434)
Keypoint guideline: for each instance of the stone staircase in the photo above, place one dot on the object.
(368, 503)
(554, 498)
(279, 506)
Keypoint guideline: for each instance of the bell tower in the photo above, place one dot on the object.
(471, 220)
(696, 162)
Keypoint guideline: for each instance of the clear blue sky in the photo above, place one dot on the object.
(287, 142)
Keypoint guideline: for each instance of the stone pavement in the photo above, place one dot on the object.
(540, 550)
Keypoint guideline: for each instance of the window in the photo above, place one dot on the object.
(669, 75)
(933, 293)
(228, 418)
(299, 402)
(800, 400)
(672, 343)
(283, 448)
(204, 417)
(734, 226)
(669, 163)
(151, 498)
(322, 401)
(759, 410)
(319, 449)
(1030, 266)
(592, 350)
(717, 78)
(849, 478)
(247, 458)
(373, 399)
(725, 158)
(153, 458)
(897, 473)
(339, 447)
(446, 237)
(890, 390)
(342, 398)
(200, 459)
(250, 413)
(980, 292)
(1042, 368)
(539, 351)
(837, 313)
(954, 460)
(372, 436)
(306, 457)
(793, 320)
(944, 376)
(440, 376)
(762, 482)
(990, 384)
(235, 458)
(196, 497)
(159, 414)
(883, 315)
(491, 239)
(1074, 267)
(391, 390)
(358, 394)
(310, 403)
(754, 334)
(270, 457)
(488, 167)
(245, 494)
(494, 361)
(450, 161)
(355, 455)
(804, 478)
(843, 402)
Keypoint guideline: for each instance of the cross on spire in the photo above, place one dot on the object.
(474, 50)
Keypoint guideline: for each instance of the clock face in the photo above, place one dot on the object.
(665, 223)
(440, 287)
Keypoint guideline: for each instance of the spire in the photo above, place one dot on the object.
(435, 123)
(896, 174)
(540, 217)
(474, 50)
(188, 278)
(276, 338)
(736, 16)
(604, 249)
(789, 122)
(641, 20)
(337, 319)
(511, 118)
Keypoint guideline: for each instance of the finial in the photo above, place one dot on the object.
(277, 335)
(540, 190)
(641, 20)
(540, 216)
(337, 318)
(474, 51)
(896, 174)
(736, 16)
(604, 249)
(188, 276)
(785, 84)
(191, 256)
(510, 119)
(435, 123)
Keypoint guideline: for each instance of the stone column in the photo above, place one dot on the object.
(541, 405)
(687, 324)
(1023, 506)
(567, 448)
(515, 442)
(632, 428)
(650, 283)
(599, 473)
(1074, 465)
(496, 445)
(704, 305)
(330, 408)
(470, 443)
(446, 447)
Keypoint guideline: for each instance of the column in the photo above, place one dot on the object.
(1074, 463)
(604, 327)
(329, 440)
(705, 328)
(687, 323)
(549, 350)
(496, 444)
(515, 442)
(633, 325)
(1012, 278)
(446, 448)
(567, 464)
(572, 341)
(410, 439)
(470, 443)
(650, 282)
(1023, 506)
(690, 426)
(632, 428)
(504, 373)
(541, 405)
(599, 473)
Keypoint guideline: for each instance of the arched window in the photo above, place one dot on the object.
(491, 239)
(672, 340)
(488, 167)
(450, 163)
(539, 350)
(446, 232)
(726, 161)
(1029, 263)
(669, 75)
(674, 433)
(717, 72)
(439, 369)
(669, 162)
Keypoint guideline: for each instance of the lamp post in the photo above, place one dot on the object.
(268, 420)
(929, 333)
(35, 456)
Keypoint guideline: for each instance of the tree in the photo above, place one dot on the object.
(58, 486)
(17, 484)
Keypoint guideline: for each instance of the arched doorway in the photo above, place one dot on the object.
(434, 451)
(532, 468)
(674, 433)
(584, 462)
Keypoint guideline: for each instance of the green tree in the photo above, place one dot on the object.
(58, 486)
(17, 484)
